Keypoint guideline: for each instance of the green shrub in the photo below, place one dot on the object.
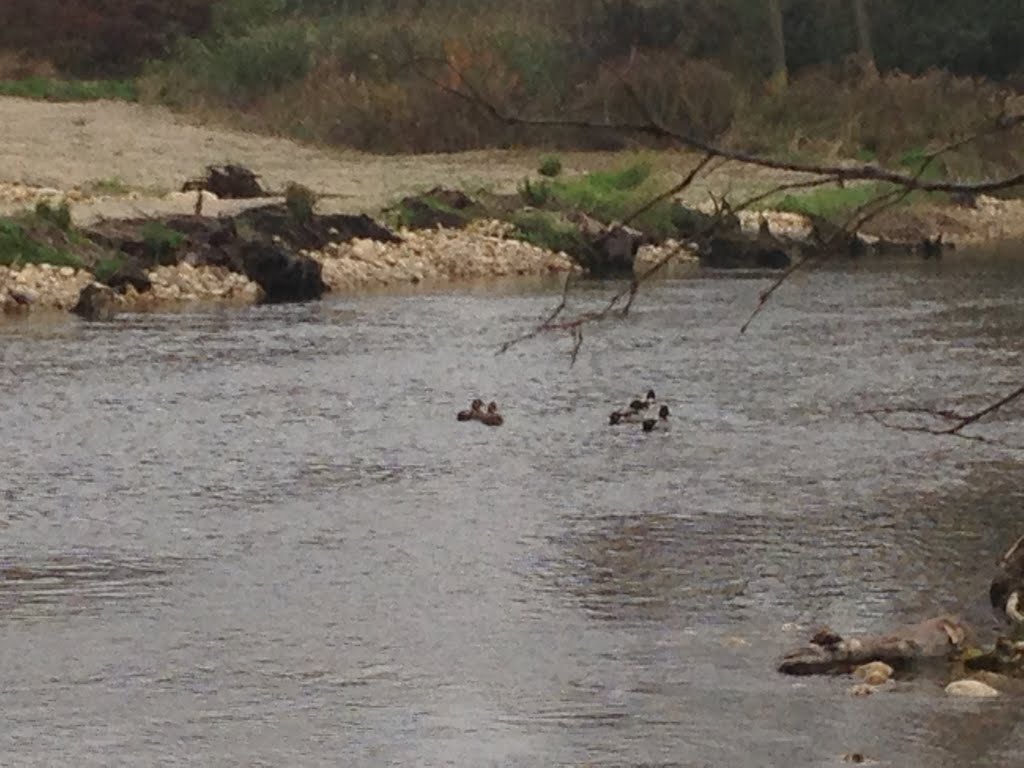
(237, 70)
(18, 247)
(49, 89)
(832, 202)
(536, 194)
(548, 230)
(108, 266)
(550, 166)
(59, 215)
(160, 241)
(300, 201)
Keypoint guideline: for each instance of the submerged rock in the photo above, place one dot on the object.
(974, 689)
(129, 274)
(874, 673)
(96, 302)
(282, 276)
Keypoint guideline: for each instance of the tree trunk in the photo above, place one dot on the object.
(867, 53)
(780, 74)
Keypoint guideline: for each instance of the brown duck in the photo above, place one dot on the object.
(492, 418)
(475, 411)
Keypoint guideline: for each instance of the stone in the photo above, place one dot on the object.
(129, 273)
(974, 689)
(874, 673)
(283, 277)
(96, 302)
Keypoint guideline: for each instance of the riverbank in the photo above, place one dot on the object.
(519, 221)
(151, 263)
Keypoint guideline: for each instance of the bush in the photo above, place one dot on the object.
(59, 215)
(17, 246)
(550, 166)
(236, 70)
(100, 37)
(160, 241)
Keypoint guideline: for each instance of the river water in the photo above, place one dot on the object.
(258, 537)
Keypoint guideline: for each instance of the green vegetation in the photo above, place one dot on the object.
(59, 215)
(108, 266)
(832, 203)
(19, 245)
(112, 186)
(161, 241)
(300, 201)
(608, 196)
(548, 230)
(49, 89)
(366, 73)
(550, 166)
(426, 211)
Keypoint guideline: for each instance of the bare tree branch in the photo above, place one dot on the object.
(904, 184)
(654, 128)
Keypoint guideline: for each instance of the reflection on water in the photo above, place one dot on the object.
(259, 537)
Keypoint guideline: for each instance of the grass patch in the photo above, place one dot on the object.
(608, 196)
(108, 266)
(161, 241)
(112, 186)
(19, 246)
(58, 215)
(831, 202)
(550, 166)
(52, 89)
(548, 230)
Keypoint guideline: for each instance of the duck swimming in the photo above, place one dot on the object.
(634, 412)
(475, 411)
(1006, 592)
(492, 418)
(658, 424)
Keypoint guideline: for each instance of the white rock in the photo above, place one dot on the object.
(974, 689)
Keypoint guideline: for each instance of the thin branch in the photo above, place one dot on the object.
(959, 420)
(673, 191)
(654, 128)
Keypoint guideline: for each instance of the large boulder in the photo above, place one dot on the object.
(282, 276)
(128, 273)
(96, 302)
(271, 221)
(611, 250)
(227, 181)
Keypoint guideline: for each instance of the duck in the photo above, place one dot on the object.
(492, 418)
(634, 411)
(1006, 592)
(660, 423)
(475, 411)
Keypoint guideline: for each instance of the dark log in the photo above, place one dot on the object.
(940, 638)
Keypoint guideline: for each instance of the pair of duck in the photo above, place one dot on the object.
(641, 410)
(476, 412)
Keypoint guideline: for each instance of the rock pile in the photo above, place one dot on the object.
(44, 286)
(40, 285)
(480, 250)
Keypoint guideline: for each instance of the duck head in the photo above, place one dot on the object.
(1006, 592)
(651, 396)
(663, 412)
(492, 407)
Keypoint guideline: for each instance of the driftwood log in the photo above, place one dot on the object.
(940, 638)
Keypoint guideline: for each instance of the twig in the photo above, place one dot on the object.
(652, 127)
